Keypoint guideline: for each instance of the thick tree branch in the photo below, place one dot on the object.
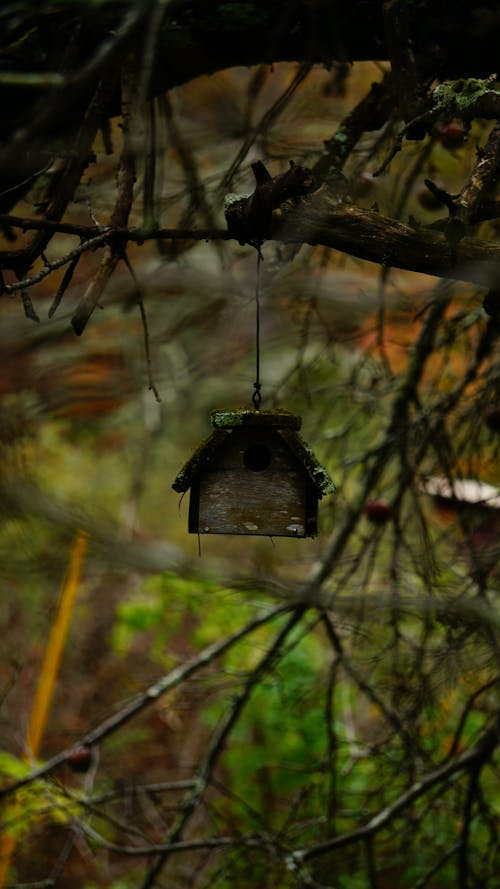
(319, 219)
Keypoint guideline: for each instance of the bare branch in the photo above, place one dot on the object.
(320, 220)
(171, 680)
(140, 302)
(55, 264)
(218, 741)
(124, 198)
(482, 180)
(477, 755)
(94, 291)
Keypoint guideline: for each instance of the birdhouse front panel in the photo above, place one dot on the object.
(253, 485)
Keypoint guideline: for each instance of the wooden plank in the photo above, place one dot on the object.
(236, 501)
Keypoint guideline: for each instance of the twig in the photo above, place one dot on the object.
(396, 16)
(420, 122)
(464, 715)
(187, 159)
(70, 173)
(28, 307)
(484, 176)
(140, 302)
(478, 754)
(389, 715)
(267, 119)
(170, 680)
(149, 50)
(63, 286)
(219, 739)
(94, 291)
(58, 263)
(437, 867)
(179, 846)
(123, 203)
(89, 231)
(369, 114)
(463, 858)
(136, 789)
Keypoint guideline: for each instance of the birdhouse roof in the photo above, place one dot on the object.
(283, 422)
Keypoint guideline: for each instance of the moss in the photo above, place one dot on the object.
(460, 96)
(201, 456)
(339, 137)
(283, 421)
(304, 453)
(245, 417)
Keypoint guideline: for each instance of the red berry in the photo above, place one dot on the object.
(378, 511)
(80, 759)
(451, 135)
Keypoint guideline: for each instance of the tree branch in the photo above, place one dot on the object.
(480, 185)
(478, 754)
(219, 739)
(317, 219)
(54, 264)
(124, 197)
(320, 220)
(171, 680)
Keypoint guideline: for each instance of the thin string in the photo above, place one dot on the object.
(257, 397)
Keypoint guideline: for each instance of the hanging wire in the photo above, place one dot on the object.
(257, 396)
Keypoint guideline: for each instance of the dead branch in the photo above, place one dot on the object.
(476, 756)
(171, 680)
(250, 219)
(69, 177)
(124, 198)
(369, 114)
(482, 180)
(54, 264)
(317, 219)
(219, 739)
(145, 328)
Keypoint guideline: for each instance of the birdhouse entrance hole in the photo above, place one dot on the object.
(257, 457)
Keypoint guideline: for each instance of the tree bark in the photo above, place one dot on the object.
(366, 234)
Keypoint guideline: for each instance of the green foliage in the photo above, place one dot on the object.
(12, 767)
(167, 601)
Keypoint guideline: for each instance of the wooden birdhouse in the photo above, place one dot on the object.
(254, 475)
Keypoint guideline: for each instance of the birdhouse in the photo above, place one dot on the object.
(254, 475)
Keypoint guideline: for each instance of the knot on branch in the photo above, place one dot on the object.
(252, 218)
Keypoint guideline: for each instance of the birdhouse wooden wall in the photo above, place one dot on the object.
(254, 485)
(254, 476)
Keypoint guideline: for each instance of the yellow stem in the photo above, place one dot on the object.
(48, 676)
(55, 646)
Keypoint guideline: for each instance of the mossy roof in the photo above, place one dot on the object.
(284, 422)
